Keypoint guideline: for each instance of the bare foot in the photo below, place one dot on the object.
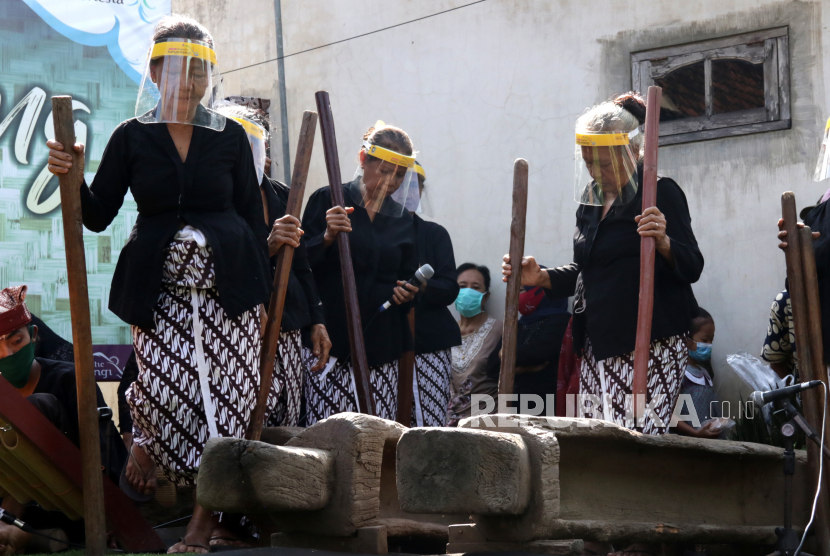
(141, 470)
(12, 540)
(197, 539)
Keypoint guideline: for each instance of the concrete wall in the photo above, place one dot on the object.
(482, 85)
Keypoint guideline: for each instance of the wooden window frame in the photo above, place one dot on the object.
(770, 46)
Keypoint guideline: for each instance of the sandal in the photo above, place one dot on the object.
(182, 541)
(125, 485)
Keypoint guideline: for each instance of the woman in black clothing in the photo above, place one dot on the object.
(436, 331)
(605, 274)
(303, 311)
(383, 254)
(194, 271)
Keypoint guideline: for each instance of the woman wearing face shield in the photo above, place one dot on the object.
(383, 255)
(302, 315)
(604, 275)
(194, 270)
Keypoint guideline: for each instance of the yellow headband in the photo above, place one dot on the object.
(389, 156)
(190, 49)
(251, 128)
(420, 170)
(601, 139)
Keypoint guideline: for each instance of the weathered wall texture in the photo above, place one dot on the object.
(485, 84)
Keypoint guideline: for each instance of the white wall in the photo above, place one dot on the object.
(480, 86)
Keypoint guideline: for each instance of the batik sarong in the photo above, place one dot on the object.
(287, 387)
(431, 388)
(333, 390)
(605, 386)
(198, 369)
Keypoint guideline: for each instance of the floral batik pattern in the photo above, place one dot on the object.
(198, 369)
(605, 386)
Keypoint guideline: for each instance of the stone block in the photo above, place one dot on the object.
(462, 471)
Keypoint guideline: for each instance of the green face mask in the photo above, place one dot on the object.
(17, 367)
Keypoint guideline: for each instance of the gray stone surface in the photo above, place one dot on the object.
(455, 471)
(245, 476)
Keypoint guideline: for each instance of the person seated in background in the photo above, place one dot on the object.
(475, 363)
(50, 386)
(542, 326)
(779, 345)
(697, 381)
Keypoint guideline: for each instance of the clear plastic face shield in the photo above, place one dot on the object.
(605, 168)
(823, 165)
(180, 85)
(258, 137)
(385, 181)
(424, 206)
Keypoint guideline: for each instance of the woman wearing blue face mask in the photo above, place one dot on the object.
(475, 363)
(697, 383)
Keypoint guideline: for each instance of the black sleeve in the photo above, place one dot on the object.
(688, 260)
(125, 418)
(247, 198)
(100, 201)
(302, 270)
(314, 225)
(562, 281)
(442, 288)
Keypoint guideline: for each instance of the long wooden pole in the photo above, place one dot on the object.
(514, 281)
(811, 298)
(406, 376)
(793, 255)
(358, 348)
(73, 236)
(285, 256)
(639, 383)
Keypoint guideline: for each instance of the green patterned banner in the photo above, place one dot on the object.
(44, 55)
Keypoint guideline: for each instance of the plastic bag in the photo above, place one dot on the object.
(759, 376)
(755, 372)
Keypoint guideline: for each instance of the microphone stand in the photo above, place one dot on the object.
(788, 539)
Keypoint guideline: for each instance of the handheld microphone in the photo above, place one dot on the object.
(421, 276)
(762, 398)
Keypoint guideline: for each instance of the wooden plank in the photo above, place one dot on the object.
(707, 87)
(131, 529)
(753, 53)
(716, 121)
(771, 79)
(518, 222)
(406, 374)
(285, 257)
(70, 188)
(722, 42)
(784, 77)
(358, 347)
(724, 132)
(647, 258)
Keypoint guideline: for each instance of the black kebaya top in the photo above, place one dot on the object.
(302, 304)
(607, 257)
(435, 329)
(383, 252)
(214, 190)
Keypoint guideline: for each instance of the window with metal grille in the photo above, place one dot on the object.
(719, 88)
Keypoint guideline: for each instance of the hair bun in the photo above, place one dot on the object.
(634, 103)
